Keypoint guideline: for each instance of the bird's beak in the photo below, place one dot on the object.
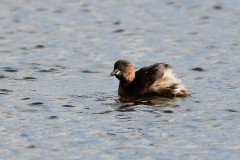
(115, 72)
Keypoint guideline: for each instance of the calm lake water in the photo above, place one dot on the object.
(57, 100)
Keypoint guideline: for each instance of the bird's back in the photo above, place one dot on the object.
(156, 79)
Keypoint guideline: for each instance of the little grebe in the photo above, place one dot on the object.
(156, 79)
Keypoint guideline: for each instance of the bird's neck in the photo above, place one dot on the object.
(128, 76)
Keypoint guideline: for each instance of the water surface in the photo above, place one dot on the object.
(59, 102)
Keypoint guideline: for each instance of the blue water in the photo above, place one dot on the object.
(57, 100)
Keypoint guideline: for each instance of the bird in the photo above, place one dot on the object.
(157, 80)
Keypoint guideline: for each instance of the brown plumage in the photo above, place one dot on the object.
(156, 79)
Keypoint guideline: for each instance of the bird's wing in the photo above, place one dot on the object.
(146, 76)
